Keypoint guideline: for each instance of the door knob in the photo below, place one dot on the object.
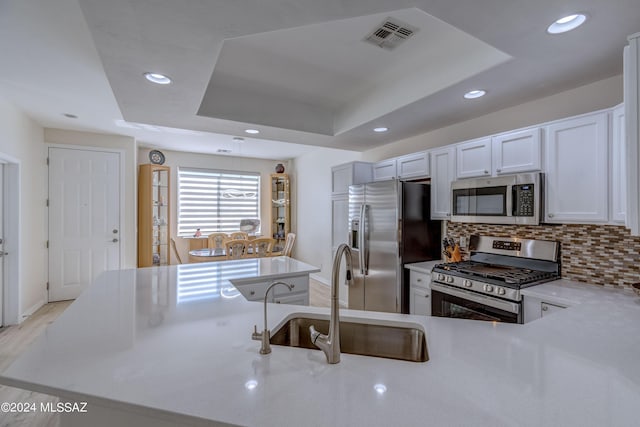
(115, 231)
(115, 240)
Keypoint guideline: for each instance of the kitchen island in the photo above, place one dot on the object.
(141, 358)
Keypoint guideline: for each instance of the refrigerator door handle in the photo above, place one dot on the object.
(365, 238)
(361, 239)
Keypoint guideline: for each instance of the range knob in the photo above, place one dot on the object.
(467, 283)
(488, 288)
(500, 291)
(449, 279)
(440, 276)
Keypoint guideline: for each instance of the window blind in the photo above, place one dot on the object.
(216, 201)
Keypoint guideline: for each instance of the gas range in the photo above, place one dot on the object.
(500, 280)
(498, 268)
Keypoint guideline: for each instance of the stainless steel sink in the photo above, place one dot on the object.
(391, 342)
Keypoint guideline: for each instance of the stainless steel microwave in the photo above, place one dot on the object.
(509, 199)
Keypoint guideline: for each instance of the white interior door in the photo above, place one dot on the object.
(84, 218)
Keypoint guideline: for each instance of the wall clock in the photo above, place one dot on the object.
(156, 157)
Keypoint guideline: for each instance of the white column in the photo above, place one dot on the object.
(632, 125)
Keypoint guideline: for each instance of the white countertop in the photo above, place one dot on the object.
(423, 267)
(570, 293)
(131, 340)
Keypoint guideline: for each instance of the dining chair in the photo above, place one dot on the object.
(288, 244)
(239, 235)
(262, 246)
(175, 250)
(217, 240)
(236, 249)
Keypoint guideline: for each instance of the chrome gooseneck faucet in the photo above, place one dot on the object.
(330, 344)
(265, 335)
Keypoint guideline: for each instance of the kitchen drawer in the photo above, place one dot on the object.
(420, 280)
(255, 291)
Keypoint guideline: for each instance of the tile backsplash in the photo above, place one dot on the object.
(597, 254)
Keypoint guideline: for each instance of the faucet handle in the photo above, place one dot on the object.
(256, 335)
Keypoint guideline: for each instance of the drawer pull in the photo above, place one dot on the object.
(252, 292)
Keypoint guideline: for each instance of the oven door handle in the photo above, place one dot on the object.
(479, 298)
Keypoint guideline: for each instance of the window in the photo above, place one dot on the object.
(216, 201)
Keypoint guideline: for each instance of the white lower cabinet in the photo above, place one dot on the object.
(536, 308)
(254, 291)
(339, 220)
(577, 170)
(420, 297)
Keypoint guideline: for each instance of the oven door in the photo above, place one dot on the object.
(453, 302)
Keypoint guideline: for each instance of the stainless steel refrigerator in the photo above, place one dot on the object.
(390, 226)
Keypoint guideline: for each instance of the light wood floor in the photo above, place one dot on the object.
(15, 339)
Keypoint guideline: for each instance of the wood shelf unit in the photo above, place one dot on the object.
(154, 214)
(280, 209)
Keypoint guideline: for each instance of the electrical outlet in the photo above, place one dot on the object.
(463, 241)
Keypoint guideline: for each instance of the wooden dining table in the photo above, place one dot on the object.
(211, 254)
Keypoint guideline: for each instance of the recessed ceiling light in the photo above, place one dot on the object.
(380, 388)
(70, 116)
(567, 23)
(473, 94)
(157, 78)
(252, 131)
(380, 129)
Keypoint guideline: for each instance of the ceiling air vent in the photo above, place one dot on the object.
(390, 33)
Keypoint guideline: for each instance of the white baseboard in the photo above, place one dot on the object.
(28, 312)
(320, 279)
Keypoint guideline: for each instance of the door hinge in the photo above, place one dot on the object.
(47, 202)
(47, 161)
(47, 285)
(47, 244)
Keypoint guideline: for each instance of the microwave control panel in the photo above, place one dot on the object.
(523, 199)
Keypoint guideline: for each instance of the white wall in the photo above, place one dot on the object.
(128, 146)
(21, 138)
(313, 203)
(595, 96)
(176, 159)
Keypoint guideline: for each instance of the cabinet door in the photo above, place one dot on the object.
(547, 309)
(442, 174)
(420, 301)
(413, 166)
(517, 152)
(618, 168)
(577, 180)
(384, 170)
(341, 178)
(340, 221)
(473, 158)
(295, 299)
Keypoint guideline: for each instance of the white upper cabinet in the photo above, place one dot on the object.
(576, 170)
(618, 167)
(385, 169)
(442, 174)
(413, 166)
(517, 152)
(473, 158)
(342, 176)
